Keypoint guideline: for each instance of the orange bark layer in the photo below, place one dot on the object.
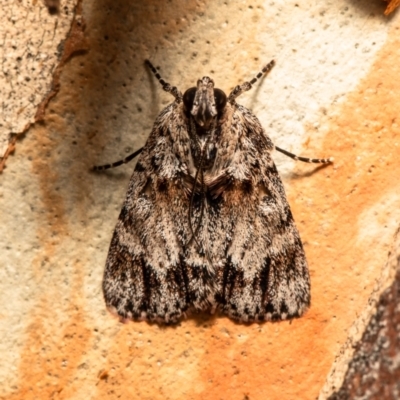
(393, 4)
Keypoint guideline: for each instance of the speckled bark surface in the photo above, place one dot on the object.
(334, 92)
(31, 49)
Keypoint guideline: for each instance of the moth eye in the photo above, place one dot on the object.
(188, 98)
(220, 99)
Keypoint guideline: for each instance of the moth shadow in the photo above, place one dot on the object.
(201, 319)
(255, 92)
(116, 175)
(307, 173)
(204, 320)
(207, 320)
(154, 92)
(370, 9)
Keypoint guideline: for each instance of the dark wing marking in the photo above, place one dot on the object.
(265, 276)
(150, 274)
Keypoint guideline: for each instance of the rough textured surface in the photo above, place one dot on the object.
(347, 364)
(30, 49)
(334, 92)
(374, 371)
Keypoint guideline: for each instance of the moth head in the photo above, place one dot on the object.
(204, 102)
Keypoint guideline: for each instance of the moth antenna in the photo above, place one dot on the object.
(305, 159)
(244, 87)
(118, 163)
(165, 85)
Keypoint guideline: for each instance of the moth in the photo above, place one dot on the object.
(206, 225)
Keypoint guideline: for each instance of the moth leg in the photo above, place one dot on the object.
(117, 163)
(305, 159)
(244, 87)
(166, 86)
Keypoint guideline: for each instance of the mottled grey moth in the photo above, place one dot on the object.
(206, 225)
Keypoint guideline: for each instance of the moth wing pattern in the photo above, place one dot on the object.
(149, 274)
(259, 270)
(265, 276)
(206, 223)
